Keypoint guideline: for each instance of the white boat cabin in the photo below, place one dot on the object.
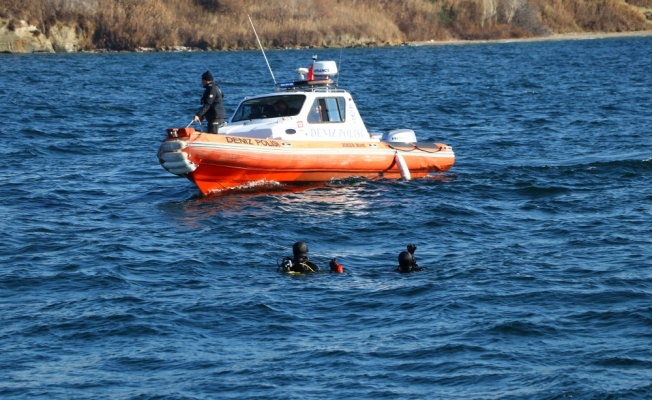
(308, 109)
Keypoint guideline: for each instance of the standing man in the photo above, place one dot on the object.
(212, 108)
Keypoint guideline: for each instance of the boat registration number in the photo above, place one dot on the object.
(254, 142)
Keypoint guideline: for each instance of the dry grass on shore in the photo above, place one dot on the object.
(223, 24)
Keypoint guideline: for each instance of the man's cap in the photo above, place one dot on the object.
(207, 76)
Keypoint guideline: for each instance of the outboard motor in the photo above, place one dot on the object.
(400, 135)
(324, 69)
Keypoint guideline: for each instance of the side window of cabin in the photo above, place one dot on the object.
(239, 114)
(269, 107)
(328, 109)
(249, 111)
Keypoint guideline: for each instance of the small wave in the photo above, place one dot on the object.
(622, 362)
(523, 328)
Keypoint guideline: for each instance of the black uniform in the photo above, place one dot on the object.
(406, 261)
(212, 108)
(299, 262)
(303, 265)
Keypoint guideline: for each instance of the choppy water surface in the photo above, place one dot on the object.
(119, 281)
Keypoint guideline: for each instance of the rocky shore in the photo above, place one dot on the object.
(24, 38)
(21, 37)
(555, 36)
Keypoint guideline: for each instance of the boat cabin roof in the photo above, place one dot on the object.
(305, 109)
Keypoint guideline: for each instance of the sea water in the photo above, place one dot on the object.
(119, 281)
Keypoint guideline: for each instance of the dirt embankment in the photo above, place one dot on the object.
(28, 26)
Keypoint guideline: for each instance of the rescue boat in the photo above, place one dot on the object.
(306, 131)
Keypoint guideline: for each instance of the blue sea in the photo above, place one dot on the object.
(119, 280)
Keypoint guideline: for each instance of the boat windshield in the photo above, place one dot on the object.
(269, 107)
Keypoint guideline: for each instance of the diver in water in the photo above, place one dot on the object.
(300, 263)
(406, 261)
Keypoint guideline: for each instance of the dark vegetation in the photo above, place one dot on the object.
(223, 24)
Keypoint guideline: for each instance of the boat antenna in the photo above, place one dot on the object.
(339, 68)
(261, 49)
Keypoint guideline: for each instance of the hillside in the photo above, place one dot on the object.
(73, 25)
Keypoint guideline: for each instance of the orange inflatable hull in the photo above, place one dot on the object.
(217, 162)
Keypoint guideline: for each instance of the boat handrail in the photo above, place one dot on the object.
(321, 89)
(322, 85)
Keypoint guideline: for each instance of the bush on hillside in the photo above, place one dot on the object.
(223, 24)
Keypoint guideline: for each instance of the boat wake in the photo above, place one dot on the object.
(253, 186)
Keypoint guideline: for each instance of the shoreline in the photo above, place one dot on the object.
(552, 37)
(451, 42)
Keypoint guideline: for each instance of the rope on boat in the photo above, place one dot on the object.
(428, 151)
(413, 148)
(402, 167)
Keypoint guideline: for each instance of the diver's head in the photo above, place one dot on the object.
(300, 250)
(405, 261)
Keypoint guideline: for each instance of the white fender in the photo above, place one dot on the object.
(402, 167)
(180, 171)
(173, 145)
(180, 167)
(174, 156)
